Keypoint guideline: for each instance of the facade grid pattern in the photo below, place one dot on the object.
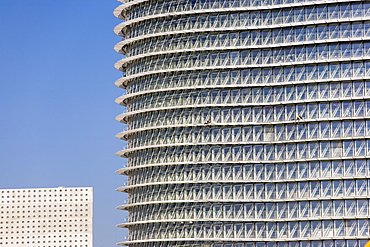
(46, 217)
(247, 122)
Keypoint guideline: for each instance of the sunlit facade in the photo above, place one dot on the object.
(46, 217)
(255, 175)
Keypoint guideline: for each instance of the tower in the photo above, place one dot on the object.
(247, 122)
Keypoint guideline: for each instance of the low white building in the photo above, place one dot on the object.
(46, 217)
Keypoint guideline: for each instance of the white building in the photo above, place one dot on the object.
(248, 122)
(46, 217)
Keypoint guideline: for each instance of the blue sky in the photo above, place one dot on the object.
(57, 96)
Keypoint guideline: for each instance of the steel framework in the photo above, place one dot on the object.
(216, 153)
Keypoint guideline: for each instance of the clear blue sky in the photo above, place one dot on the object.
(57, 102)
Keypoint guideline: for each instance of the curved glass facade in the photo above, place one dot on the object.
(248, 122)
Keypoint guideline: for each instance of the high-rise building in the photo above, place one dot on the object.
(46, 217)
(248, 122)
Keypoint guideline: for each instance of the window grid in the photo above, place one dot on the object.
(246, 127)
